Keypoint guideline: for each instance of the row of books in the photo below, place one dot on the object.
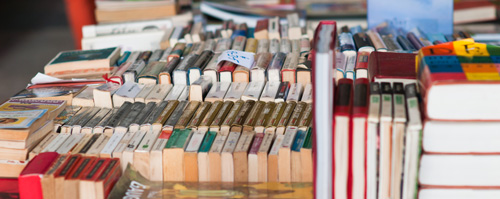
(112, 95)
(151, 137)
(53, 175)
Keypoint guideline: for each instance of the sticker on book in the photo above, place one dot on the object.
(238, 57)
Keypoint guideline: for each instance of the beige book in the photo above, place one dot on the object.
(284, 155)
(47, 180)
(70, 143)
(141, 96)
(156, 156)
(307, 159)
(240, 155)
(191, 157)
(199, 115)
(272, 159)
(142, 154)
(274, 28)
(264, 115)
(227, 160)
(113, 141)
(97, 147)
(173, 156)
(81, 143)
(56, 142)
(159, 92)
(118, 152)
(128, 152)
(264, 148)
(214, 156)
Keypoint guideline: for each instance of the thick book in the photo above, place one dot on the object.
(461, 78)
(30, 178)
(218, 91)
(103, 95)
(82, 63)
(54, 107)
(360, 107)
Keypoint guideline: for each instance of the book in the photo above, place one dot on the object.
(200, 88)
(85, 98)
(324, 44)
(71, 184)
(195, 70)
(63, 172)
(306, 158)
(47, 179)
(175, 92)
(191, 156)
(284, 155)
(210, 115)
(307, 94)
(199, 115)
(404, 62)
(180, 75)
(65, 93)
(258, 70)
(467, 73)
(226, 71)
(235, 91)
(270, 91)
(288, 71)
(173, 155)
(113, 14)
(226, 156)
(166, 74)
(30, 178)
(253, 91)
(19, 125)
(274, 68)
(212, 68)
(282, 92)
(217, 91)
(295, 92)
(126, 93)
(203, 161)
(385, 136)
(149, 74)
(361, 68)
(187, 114)
(103, 95)
(107, 179)
(240, 155)
(158, 93)
(82, 63)
(360, 106)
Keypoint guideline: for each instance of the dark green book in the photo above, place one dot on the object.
(207, 142)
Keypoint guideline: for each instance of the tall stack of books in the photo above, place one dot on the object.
(459, 85)
(23, 124)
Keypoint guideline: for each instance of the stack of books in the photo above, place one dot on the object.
(459, 85)
(23, 124)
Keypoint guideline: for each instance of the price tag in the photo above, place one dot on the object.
(241, 58)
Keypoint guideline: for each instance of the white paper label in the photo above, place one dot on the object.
(238, 57)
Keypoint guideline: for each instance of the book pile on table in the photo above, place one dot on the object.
(23, 124)
(460, 92)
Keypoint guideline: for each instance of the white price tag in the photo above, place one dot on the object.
(241, 58)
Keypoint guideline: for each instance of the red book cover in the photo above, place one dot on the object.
(362, 60)
(389, 65)
(314, 50)
(67, 167)
(29, 179)
(343, 129)
(81, 167)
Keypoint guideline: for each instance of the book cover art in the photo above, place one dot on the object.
(19, 119)
(132, 182)
(430, 16)
(31, 104)
(48, 91)
(82, 55)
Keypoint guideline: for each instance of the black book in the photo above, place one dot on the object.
(143, 115)
(155, 113)
(282, 92)
(135, 110)
(362, 41)
(122, 112)
(176, 115)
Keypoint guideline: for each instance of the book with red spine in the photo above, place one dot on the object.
(361, 68)
(322, 66)
(63, 172)
(108, 178)
(71, 183)
(87, 179)
(260, 31)
(30, 178)
(359, 137)
(342, 137)
(392, 67)
(226, 71)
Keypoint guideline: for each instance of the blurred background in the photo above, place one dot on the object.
(31, 33)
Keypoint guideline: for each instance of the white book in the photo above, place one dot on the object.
(56, 143)
(195, 141)
(117, 153)
(103, 93)
(141, 41)
(295, 92)
(372, 141)
(158, 93)
(385, 132)
(270, 91)
(253, 91)
(413, 140)
(113, 141)
(199, 89)
(307, 94)
(218, 91)
(148, 141)
(294, 29)
(176, 35)
(284, 154)
(175, 92)
(156, 159)
(263, 46)
(185, 94)
(274, 28)
(69, 143)
(235, 91)
(141, 96)
(350, 57)
(212, 68)
(126, 93)
(97, 147)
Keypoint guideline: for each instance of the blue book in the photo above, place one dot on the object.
(299, 140)
(428, 15)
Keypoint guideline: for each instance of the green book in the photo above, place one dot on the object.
(173, 138)
(207, 142)
(183, 138)
(308, 139)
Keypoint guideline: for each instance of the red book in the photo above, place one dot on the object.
(226, 71)
(342, 136)
(392, 67)
(474, 11)
(322, 67)
(29, 180)
(260, 31)
(90, 176)
(359, 137)
(63, 172)
(362, 64)
(105, 182)
(71, 183)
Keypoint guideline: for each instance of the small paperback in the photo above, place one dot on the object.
(19, 119)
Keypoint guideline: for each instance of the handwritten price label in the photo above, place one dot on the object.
(241, 58)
